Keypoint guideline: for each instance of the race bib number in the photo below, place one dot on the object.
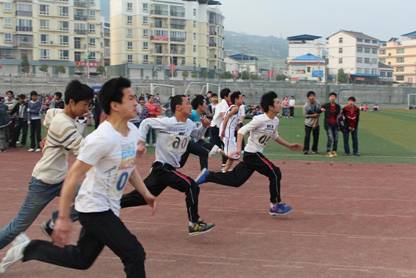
(262, 140)
(178, 143)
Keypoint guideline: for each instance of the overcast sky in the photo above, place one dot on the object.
(379, 18)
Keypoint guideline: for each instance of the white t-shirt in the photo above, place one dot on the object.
(172, 137)
(292, 102)
(261, 129)
(222, 107)
(113, 157)
(231, 124)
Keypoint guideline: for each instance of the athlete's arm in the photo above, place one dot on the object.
(226, 119)
(62, 231)
(137, 182)
(290, 146)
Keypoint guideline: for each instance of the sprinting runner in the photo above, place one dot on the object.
(198, 146)
(50, 171)
(173, 136)
(108, 159)
(262, 128)
(229, 127)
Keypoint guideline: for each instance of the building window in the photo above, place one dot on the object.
(194, 12)
(194, 48)
(359, 49)
(44, 54)
(145, 19)
(145, 45)
(91, 28)
(91, 41)
(77, 43)
(145, 59)
(43, 39)
(91, 14)
(77, 56)
(44, 9)
(44, 24)
(194, 24)
(63, 11)
(145, 33)
(400, 69)
(359, 59)
(145, 7)
(400, 78)
(63, 54)
(91, 56)
(382, 52)
(367, 60)
(340, 61)
(129, 20)
(8, 37)
(341, 40)
(367, 50)
(400, 50)
(130, 59)
(374, 61)
(367, 41)
(340, 50)
(400, 59)
(129, 7)
(7, 6)
(374, 50)
(7, 22)
(129, 33)
(194, 36)
(64, 40)
(129, 45)
(194, 61)
(64, 26)
(359, 40)
(375, 41)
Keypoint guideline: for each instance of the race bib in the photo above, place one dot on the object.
(178, 143)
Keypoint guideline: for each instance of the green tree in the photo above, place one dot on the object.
(280, 77)
(226, 75)
(194, 74)
(245, 75)
(342, 77)
(185, 75)
(61, 69)
(43, 68)
(25, 66)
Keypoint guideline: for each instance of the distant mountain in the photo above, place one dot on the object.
(262, 47)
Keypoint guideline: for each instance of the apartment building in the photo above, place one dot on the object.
(163, 39)
(303, 44)
(354, 52)
(400, 54)
(57, 37)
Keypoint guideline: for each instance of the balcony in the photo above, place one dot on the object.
(159, 26)
(178, 26)
(80, 31)
(177, 51)
(24, 29)
(80, 4)
(81, 17)
(24, 13)
(160, 38)
(24, 44)
(177, 14)
(177, 39)
(159, 12)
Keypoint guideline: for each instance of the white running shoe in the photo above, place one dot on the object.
(31, 150)
(214, 151)
(15, 253)
(37, 150)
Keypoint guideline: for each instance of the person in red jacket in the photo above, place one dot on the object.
(351, 116)
(153, 110)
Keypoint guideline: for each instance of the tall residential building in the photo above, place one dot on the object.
(304, 44)
(55, 36)
(160, 39)
(401, 56)
(354, 52)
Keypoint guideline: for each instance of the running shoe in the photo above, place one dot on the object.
(15, 253)
(280, 209)
(200, 228)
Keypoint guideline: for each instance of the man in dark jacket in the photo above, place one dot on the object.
(332, 112)
(311, 112)
(351, 116)
(22, 117)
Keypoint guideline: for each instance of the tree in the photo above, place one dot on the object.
(342, 77)
(61, 69)
(245, 75)
(280, 77)
(254, 76)
(226, 75)
(194, 74)
(25, 66)
(185, 75)
(43, 68)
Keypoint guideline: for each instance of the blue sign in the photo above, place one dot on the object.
(318, 73)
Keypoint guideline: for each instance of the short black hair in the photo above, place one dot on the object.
(197, 101)
(77, 91)
(267, 100)
(225, 93)
(333, 94)
(21, 96)
(141, 98)
(214, 95)
(176, 100)
(33, 93)
(234, 96)
(58, 94)
(310, 93)
(112, 90)
(352, 98)
(11, 92)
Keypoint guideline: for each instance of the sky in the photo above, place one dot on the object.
(378, 18)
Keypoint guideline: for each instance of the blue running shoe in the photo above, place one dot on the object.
(280, 209)
(202, 177)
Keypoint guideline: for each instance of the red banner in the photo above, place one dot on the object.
(159, 38)
(91, 64)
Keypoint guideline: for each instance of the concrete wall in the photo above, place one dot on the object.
(384, 95)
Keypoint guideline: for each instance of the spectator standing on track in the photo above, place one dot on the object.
(34, 110)
(351, 117)
(292, 104)
(332, 112)
(311, 112)
(22, 117)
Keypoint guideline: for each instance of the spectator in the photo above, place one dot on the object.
(10, 102)
(57, 101)
(213, 102)
(376, 108)
(332, 112)
(351, 117)
(96, 111)
(311, 111)
(153, 109)
(286, 107)
(34, 111)
(141, 112)
(4, 121)
(22, 117)
(292, 104)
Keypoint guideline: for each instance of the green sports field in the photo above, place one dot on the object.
(388, 136)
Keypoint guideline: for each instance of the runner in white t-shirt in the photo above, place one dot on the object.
(108, 159)
(262, 128)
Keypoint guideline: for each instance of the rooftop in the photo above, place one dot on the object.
(304, 37)
(354, 34)
(243, 57)
(308, 58)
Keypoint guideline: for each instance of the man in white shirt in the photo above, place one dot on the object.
(49, 172)
(262, 128)
(292, 103)
(107, 160)
(173, 136)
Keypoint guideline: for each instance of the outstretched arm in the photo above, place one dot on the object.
(293, 147)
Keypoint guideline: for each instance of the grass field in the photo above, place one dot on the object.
(388, 136)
